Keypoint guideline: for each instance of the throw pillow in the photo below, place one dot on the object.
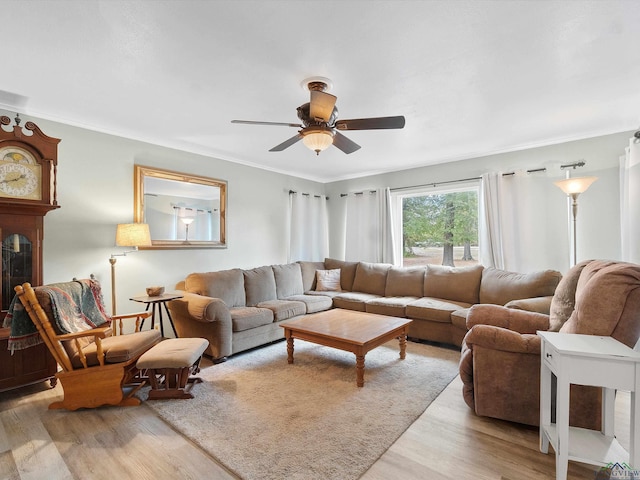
(328, 280)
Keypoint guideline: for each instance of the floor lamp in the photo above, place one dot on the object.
(127, 235)
(573, 187)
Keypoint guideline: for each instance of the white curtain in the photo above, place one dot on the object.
(630, 202)
(522, 222)
(369, 227)
(490, 221)
(308, 227)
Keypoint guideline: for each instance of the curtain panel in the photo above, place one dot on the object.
(523, 222)
(369, 227)
(308, 227)
(630, 202)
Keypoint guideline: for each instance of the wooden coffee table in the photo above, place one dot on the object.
(349, 330)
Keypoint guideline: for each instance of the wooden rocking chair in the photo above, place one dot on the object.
(98, 366)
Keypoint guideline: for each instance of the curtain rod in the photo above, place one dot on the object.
(581, 163)
(291, 192)
(359, 193)
(447, 182)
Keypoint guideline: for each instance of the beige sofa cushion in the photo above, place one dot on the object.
(347, 271)
(314, 303)
(500, 286)
(288, 280)
(284, 309)
(227, 285)
(371, 278)
(433, 309)
(403, 282)
(259, 285)
(309, 274)
(461, 284)
(392, 306)
(353, 300)
(245, 318)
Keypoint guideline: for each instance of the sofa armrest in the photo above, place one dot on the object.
(197, 316)
(200, 308)
(497, 338)
(520, 321)
(535, 304)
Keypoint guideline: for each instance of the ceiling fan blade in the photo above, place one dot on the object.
(344, 144)
(251, 122)
(371, 123)
(321, 105)
(286, 143)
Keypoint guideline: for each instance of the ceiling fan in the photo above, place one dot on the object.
(320, 124)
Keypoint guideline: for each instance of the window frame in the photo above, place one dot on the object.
(398, 195)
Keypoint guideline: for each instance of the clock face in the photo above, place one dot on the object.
(20, 174)
(18, 180)
(17, 155)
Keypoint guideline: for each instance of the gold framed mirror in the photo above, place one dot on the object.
(182, 210)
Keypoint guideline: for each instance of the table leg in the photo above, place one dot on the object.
(289, 348)
(360, 370)
(170, 319)
(562, 426)
(545, 406)
(403, 345)
(146, 309)
(634, 443)
(153, 315)
(608, 411)
(159, 310)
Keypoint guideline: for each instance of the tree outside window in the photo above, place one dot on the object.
(440, 228)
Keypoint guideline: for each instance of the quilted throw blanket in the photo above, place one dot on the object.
(76, 306)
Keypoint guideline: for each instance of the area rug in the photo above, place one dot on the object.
(265, 419)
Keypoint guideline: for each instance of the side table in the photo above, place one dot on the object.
(587, 360)
(156, 303)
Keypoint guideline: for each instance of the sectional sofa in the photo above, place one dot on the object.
(240, 309)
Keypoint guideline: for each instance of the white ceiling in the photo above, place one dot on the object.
(472, 77)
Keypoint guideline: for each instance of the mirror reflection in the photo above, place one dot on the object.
(182, 210)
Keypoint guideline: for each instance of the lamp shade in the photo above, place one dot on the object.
(133, 235)
(576, 185)
(318, 140)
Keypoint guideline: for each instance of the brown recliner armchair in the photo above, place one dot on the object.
(500, 362)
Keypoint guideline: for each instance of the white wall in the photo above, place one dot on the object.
(95, 185)
(95, 192)
(598, 213)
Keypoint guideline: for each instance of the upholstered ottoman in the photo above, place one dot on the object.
(170, 364)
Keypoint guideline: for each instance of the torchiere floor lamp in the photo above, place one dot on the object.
(573, 187)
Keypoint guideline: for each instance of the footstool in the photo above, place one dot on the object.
(170, 364)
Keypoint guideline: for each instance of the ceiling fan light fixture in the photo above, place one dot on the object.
(318, 140)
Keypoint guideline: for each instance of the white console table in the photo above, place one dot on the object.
(587, 360)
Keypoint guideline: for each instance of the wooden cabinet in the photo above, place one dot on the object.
(24, 367)
(28, 167)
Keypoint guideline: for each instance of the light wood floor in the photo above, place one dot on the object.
(447, 442)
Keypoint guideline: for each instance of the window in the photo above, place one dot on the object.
(438, 227)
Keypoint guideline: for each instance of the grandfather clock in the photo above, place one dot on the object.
(28, 168)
